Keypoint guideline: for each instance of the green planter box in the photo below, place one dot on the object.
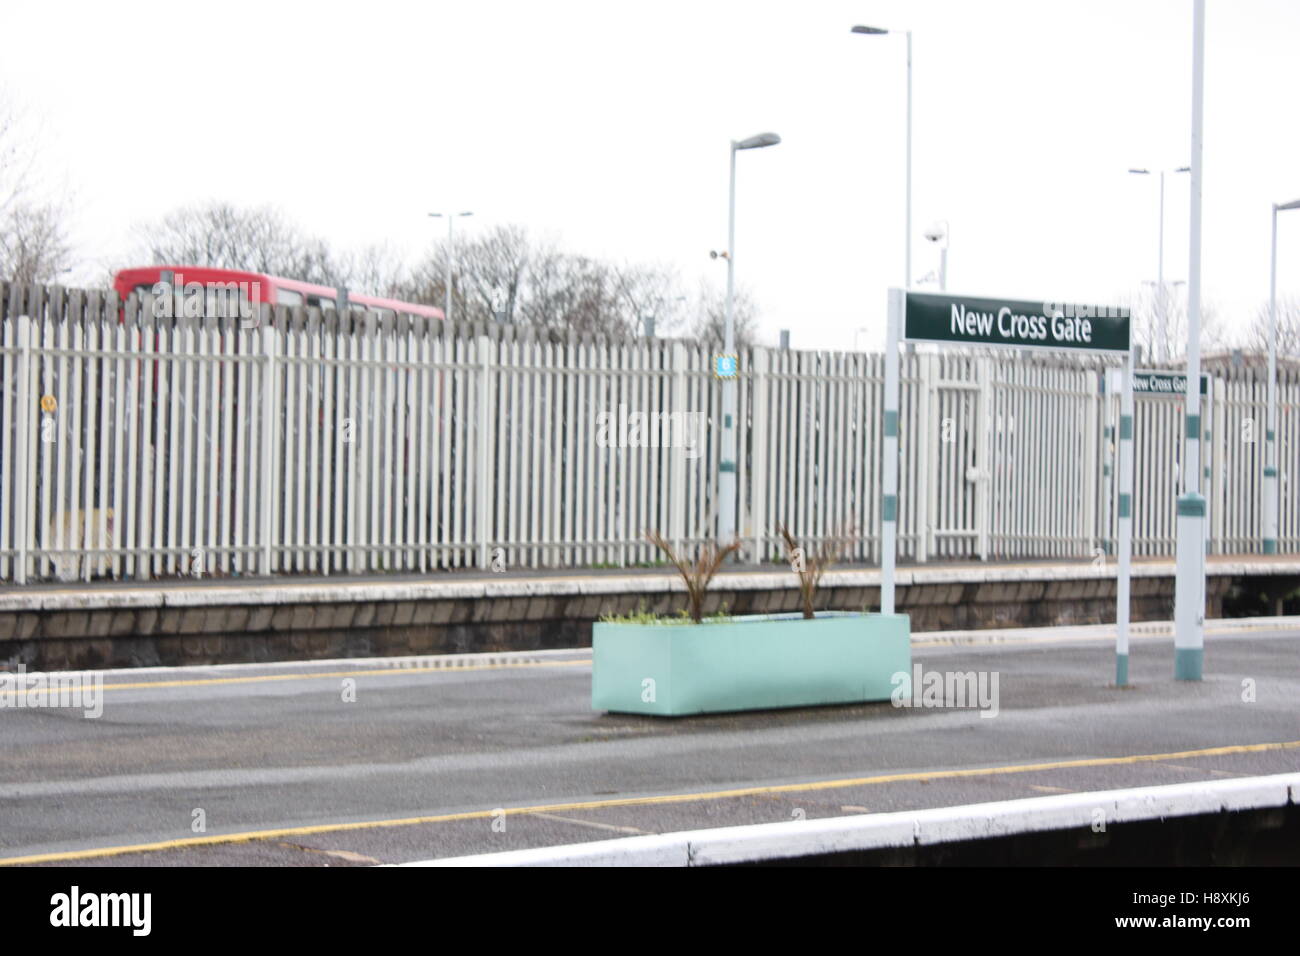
(748, 663)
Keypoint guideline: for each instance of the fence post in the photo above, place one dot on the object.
(1103, 523)
(1125, 530)
(678, 499)
(889, 452)
(932, 442)
(984, 457)
(482, 487)
(24, 405)
(1284, 452)
(270, 421)
(924, 439)
(1220, 454)
(1091, 455)
(1207, 458)
(758, 452)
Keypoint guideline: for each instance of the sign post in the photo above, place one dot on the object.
(1189, 583)
(1004, 323)
(1122, 584)
(889, 499)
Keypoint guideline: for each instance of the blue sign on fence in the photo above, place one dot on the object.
(726, 366)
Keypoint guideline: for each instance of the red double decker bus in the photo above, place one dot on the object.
(254, 289)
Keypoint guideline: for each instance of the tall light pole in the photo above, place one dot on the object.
(907, 247)
(1160, 255)
(1189, 583)
(727, 462)
(1271, 503)
(451, 261)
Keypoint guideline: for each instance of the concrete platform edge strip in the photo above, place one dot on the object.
(994, 636)
(328, 592)
(774, 841)
(1098, 632)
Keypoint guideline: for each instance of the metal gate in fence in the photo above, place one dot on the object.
(1010, 458)
(957, 444)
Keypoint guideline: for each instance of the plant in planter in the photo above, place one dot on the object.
(811, 567)
(753, 662)
(698, 575)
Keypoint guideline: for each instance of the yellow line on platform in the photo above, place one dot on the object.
(662, 799)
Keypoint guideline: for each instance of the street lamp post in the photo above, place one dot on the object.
(451, 261)
(727, 462)
(1271, 502)
(1189, 583)
(1160, 255)
(907, 225)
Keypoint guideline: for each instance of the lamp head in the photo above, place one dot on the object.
(757, 142)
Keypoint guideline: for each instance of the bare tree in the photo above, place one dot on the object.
(224, 236)
(16, 160)
(500, 275)
(652, 292)
(1159, 325)
(491, 275)
(507, 275)
(1288, 327)
(577, 294)
(34, 243)
(711, 318)
(376, 269)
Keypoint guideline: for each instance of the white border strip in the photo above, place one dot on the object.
(476, 660)
(1214, 626)
(775, 841)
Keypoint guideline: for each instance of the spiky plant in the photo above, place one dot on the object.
(812, 566)
(698, 575)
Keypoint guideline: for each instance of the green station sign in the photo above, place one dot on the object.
(1151, 382)
(967, 320)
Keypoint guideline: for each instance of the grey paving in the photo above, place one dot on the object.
(290, 752)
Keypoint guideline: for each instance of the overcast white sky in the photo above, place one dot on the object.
(606, 125)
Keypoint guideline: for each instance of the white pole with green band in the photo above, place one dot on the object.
(1270, 424)
(889, 463)
(1122, 591)
(1189, 583)
(1271, 501)
(1207, 458)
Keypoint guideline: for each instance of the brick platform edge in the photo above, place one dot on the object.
(92, 629)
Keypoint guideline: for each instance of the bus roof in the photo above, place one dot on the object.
(128, 280)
